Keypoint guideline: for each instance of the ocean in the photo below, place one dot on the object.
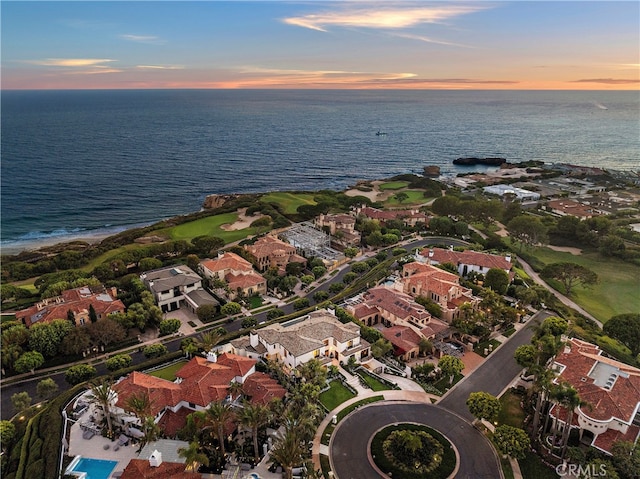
(83, 163)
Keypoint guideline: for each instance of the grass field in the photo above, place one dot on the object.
(289, 202)
(415, 197)
(511, 413)
(335, 395)
(109, 255)
(617, 291)
(533, 468)
(168, 372)
(393, 185)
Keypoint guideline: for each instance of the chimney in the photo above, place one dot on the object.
(508, 258)
(155, 459)
(212, 357)
(253, 338)
(430, 253)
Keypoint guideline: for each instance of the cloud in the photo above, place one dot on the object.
(149, 39)
(160, 67)
(70, 62)
(383, 18)
(422, 38)
(609, 81)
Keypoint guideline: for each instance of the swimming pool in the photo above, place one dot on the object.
(93, 468)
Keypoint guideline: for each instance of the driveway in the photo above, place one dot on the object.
(349, 446)
(495, 374)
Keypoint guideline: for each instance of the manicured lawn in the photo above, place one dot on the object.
(373, 383)
(479, 348)
(443, 383)
(255, 302)
(533, 468)
(415, 197)
(289, 202)
(511, 413)
(110, 255)
(211, 226)
(335, 395)
(168, 372)
(617, 291)
(393, 185)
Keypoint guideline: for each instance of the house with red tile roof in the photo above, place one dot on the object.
(409, 217)
(155, 466)
(79, 301)
(237, 272)
(318, 335)
(466, 261)
(391, 307)
(405, 341)
(567, 207)
(198, 383)
(341, 227)
(442, 287)
(610, 390)
(272, 252)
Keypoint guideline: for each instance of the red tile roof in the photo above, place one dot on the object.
(269, 245)
(399, 304)
(403, 338)
(469, 257)
(171, 422)
(141, 469)
(227, 262)
(606, 440)
(78, 300)
(202, 382)
(262, 388)
(246, 280)
(621, 401)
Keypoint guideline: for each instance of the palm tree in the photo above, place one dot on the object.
(235, 390)
(287, 451)
(193, 457)
(571, 400)
(140, 405)
(216, 417)
(150, 431)
(209, 340)
(103, 396)
(255, 416)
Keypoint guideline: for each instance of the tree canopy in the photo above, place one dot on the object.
(569, 275)
(484, 406)
(626, 329)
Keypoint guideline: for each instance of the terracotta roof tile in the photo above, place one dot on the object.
(141, 469)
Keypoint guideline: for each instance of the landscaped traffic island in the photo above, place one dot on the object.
(413, 451)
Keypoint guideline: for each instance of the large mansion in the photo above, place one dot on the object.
(318, 335)
(271, 252)
(465, 261)
(79, 301)
(238, 273)
(199, 383)
(609, 389)
(442, 287)
(174, 286)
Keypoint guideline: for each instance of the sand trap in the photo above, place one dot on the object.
(242, 222)
(566, 249)
(374, 195)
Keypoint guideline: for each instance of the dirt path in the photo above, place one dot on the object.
(566, 249)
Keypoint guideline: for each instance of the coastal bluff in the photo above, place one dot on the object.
(216, 201)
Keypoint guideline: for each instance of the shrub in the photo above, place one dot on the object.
(169, 326)
(79, 373)
(155, 350)
(120, 361)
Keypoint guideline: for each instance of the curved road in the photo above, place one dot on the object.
(349, 443)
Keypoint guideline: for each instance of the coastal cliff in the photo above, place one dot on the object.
(216, 201)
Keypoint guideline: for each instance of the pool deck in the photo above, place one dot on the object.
(95, 447)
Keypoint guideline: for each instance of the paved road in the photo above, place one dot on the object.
(349, 443)
(494, 374)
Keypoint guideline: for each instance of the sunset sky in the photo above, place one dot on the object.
(316, 44)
